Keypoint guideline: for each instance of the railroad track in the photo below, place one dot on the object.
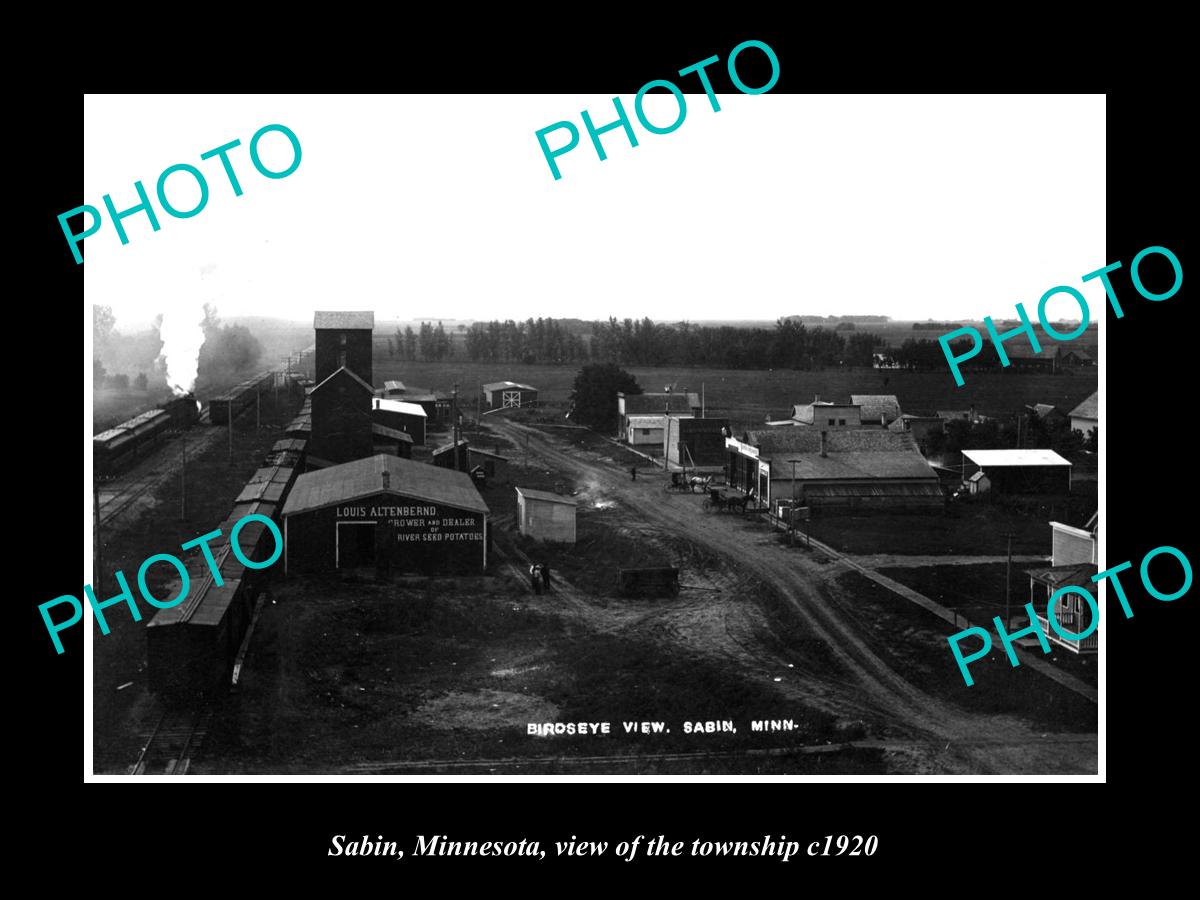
(176, 737)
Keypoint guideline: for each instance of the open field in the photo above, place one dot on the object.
(749, 397)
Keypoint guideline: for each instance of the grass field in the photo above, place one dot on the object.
(749, 396)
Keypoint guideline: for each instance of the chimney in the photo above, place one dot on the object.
(816, 398)
(387, 479)
(823, 453)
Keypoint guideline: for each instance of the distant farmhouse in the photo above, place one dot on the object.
(1084, 416)
(1022, 357)
(508, 394)
(1078, 359)
(848, 468)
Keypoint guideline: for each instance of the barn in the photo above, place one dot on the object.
(642, 417)
(848, 468)
(506, 394)
(344, 340)
(1086, 415)
(1019, 471)
(390, 513)
(402, 416)
(341, 419)
(697, 445)
(546, 516)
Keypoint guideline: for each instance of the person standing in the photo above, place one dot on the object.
(546, 576)
(633, 473)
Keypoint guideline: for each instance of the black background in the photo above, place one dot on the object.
(965, 834)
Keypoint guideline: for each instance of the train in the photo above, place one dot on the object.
(192, 647)
(117, 448)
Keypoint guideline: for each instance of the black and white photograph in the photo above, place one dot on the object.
(535, 436)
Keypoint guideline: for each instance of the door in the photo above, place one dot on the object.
(355, 544)
(511, 399)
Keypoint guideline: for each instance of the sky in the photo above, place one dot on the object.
(942, 207)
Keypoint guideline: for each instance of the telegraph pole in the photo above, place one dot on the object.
(183, 475)
(1008, 582)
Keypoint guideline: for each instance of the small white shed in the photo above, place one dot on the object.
(546, 516)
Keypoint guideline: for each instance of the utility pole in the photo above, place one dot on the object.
(794, 511)
(454, 420)
(183, 475)
(1008, 582)
(96, 576)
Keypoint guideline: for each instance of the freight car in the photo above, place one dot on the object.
(119, 447)
(236, 400)
(191, 647)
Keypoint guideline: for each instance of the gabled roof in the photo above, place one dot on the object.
(343, 369)
(1044, 409)
(850, 454)
(531, 494)
(656, 404)
(344, 321)
(446, 448)
(394, 386)
(507, 386)
(876, 405)
(364, 478)
(1088, 409)
(806, 412)
(475, 451)
(1078, 574)
(399, 406)
(395, 434)
(1003, 458)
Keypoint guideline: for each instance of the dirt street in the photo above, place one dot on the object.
(841, 665)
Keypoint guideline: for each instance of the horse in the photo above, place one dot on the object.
(699, 481)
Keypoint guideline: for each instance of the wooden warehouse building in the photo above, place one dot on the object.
(642, 417)
(402, 416)
(696, 445)
(341, 419)
(546, 516)
(506, 394)
(1018, 471)
(846, 468)
(343, 340)
(386, 512)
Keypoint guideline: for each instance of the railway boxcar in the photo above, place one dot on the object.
(191, 647)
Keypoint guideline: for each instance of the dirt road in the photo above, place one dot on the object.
(858, 685)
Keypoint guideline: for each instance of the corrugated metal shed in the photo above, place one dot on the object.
(364, 477)
(342, 321)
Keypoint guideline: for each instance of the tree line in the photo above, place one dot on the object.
(790, 344)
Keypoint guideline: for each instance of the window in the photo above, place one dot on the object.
(343, 338)
(833, 421)
(1078, 604)
(841, 421)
